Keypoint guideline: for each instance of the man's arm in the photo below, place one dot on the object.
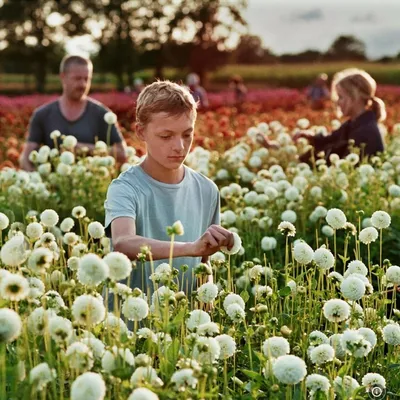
(125, 240)
(24, 161)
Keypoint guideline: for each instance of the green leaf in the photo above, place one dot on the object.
(245, 296)
(284, 292)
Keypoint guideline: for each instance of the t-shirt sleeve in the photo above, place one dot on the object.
(36, 132)
(115, 133)
(121, 201)
(216, 216)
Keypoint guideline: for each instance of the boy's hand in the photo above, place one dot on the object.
(211, 241)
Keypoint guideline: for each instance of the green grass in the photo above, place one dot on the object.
(288, 75)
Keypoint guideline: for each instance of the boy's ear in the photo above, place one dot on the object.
(139, 130)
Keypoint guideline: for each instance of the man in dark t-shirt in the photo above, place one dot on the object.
(73, 113)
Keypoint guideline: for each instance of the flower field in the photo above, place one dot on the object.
(306, 307)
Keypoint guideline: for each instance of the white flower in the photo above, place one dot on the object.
(67, 224)
(13, 252)
(110, 118)
(370, 380)
(336, 310)
(233, 298)
(355, 344)
(289, 216)
(289, 369)
(96, 230)
(345, 386)
(49, 218)
(218, 256)
(183, 379)
(317, 337)
(70, 238)
(119, 265)
(393, 274)
(368, 235)
(391, 334)
(143, 394)
(394, 190)
(335, 341)
(268, 243)
(380, 219)
(70, 142)
(115, 324)
(322, 354)
(196, 318)
(228, 217)
(4, 221)
(73, 263)
(95, 345)
(293, 286)
(316, 382)
(60, 329)
(41, 375)
(177, 227)
(207, 292)
(143, 375)
(303, 123)
(327, 231)
(162, 273)
(352, 288)
(79, 212)
(369, 335)
(356, 267)
(55, 134)
(36, 288)
(206, 350)
(336, 218)
(135, 308)
(88, 310)
(208, 329)
(10, 325)
(235, 312)
(67, 158)
(275, 347)
(287, 228)
(303, 253)
(227, 345)
(14, 287)
(38, 320)
(116, 356)
(63, 169)
(34, 230)
(88, 386)
(79, 356)
(324, 258)
(92, 270)
(237, 244)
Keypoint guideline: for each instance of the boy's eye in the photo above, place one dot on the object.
(165, 137)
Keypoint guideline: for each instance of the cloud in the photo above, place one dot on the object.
(366, 18)
(314, 14)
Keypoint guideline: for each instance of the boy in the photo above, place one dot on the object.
(148, 197)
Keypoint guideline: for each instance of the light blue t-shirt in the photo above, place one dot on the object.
(155, 205)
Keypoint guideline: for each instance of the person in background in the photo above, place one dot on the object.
(318, 92)
(198, 92)
(239, 89)
(73, 113)
(353, 90)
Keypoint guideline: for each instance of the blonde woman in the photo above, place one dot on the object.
(353, 90)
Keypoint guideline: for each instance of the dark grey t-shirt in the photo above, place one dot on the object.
(86, 128)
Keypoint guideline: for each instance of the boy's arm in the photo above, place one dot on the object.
(125, 240)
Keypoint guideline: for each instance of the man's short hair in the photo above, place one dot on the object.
(164, 96)
(69, 60)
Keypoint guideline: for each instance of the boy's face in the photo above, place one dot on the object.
(168, 138)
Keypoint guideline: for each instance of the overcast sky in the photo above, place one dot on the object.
(293, 25)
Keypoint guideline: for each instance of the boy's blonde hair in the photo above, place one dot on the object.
(358, 83)
(164, 96)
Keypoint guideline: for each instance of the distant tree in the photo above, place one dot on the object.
(303, 57)
(33, 34)
(347, 48)
(249, 50)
